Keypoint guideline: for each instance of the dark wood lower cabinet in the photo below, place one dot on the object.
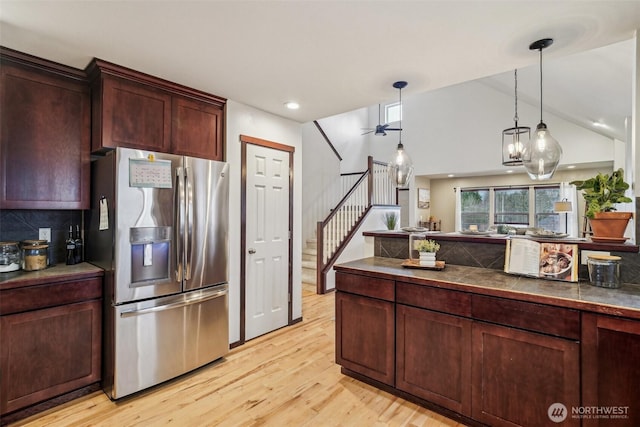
(49, 352)
(51, 337)
(610, 371)
(365, 336)
(433, 357)
(485, 359)
(518, 375)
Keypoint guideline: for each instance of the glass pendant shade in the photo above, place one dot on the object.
(542, 154)
(400, 168)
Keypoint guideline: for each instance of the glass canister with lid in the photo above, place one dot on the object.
(604, 270)
(35, 255)
(9, 257)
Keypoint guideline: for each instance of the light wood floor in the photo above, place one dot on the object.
(285, 378)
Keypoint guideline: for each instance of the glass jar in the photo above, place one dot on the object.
(604, 270)
(32, 243)
(35, 255)
(9, 257)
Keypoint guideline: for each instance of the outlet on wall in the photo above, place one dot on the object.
(44, 234)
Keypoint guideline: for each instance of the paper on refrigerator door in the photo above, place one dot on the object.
(104, 214)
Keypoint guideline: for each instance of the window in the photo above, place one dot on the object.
(516, 206)
(511, 206)
(393, 112)
(475, 208)
(545, 217)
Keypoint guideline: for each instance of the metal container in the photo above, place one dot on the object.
(9, 257)
(35, 255)
(604, 270)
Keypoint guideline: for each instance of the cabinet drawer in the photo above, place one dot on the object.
(366, 286)
(562, 322)
(28, 298)
(452, 302)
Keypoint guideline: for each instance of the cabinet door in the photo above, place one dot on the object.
(45, 140)
(517, 376)
(48, 352)
(197, 129)
(128, 114)
(611, 370)
(365, 336)
(433, 357)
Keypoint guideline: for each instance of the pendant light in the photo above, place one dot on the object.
(542, 154)
(400, 168)
(514, 138)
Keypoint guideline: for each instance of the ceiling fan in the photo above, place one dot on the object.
(381, 129)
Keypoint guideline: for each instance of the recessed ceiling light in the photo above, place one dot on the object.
(509, 171)
(292, 105)
(571, 167)
(451, 175)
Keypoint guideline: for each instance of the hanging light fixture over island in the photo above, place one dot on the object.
(514, 138)
(542, 154)
(400, 168)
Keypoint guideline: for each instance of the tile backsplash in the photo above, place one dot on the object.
(23, 224)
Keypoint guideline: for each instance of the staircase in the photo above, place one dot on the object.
(372, 187)
(309, 261)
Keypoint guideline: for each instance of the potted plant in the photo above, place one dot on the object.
(427, 249)
(601, 193)
(391, 219)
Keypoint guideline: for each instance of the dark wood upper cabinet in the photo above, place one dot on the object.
(135, 110)
(45, 134)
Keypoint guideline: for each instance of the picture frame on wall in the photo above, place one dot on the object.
(424, 197)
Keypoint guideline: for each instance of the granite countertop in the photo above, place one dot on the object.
(52, 274)
(624, 301)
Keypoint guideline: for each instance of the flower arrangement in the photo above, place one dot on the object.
(427, 246)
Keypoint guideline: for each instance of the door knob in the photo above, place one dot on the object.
(252, 251)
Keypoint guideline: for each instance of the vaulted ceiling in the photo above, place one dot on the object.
(330, 56)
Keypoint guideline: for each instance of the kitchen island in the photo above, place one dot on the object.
(490, 348)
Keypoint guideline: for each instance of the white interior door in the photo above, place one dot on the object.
(267, 240)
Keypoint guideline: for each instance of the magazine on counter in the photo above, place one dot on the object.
(546, 260)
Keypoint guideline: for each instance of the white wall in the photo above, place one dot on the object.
(246, 120)
(437, 124)
(345, 133)
(321, 177)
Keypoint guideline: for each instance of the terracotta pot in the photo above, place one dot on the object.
(610, 224)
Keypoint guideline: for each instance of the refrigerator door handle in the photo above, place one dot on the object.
(189, 231)
(170, 306)
(179, 223)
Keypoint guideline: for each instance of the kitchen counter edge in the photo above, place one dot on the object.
(622, 302)
(53, 274)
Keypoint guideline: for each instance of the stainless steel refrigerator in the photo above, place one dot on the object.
(158, 225)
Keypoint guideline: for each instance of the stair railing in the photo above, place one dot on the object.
(372, 187)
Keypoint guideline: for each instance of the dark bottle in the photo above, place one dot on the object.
(79, 246)
(71, 247)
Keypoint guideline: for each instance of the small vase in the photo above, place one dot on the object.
(428, 259)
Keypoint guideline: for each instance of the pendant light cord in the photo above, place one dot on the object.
(540, 85)
(401, 112)
(515, 75)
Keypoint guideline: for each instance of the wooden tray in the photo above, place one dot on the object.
(408, 263)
